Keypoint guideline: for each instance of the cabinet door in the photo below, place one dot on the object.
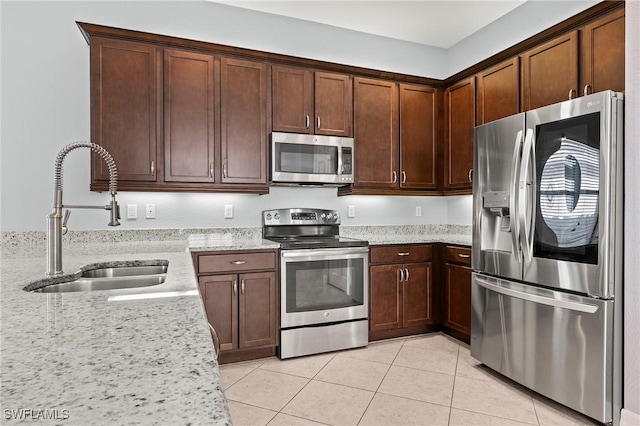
(385, 310)
(124, 96)
(416, 294)
(602, 54)
(458, 297)
(418, 140)
(258, 310)
(497, 91)
(220, 297)
(188, 117)
(460, 122)
(333, 104)
(376, 133)
(292, 99)
(550, 72)
(243, 121)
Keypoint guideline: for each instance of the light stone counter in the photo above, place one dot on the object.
(100, 358)
(133, 356)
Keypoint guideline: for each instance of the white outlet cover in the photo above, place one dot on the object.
(418, 211)
(151, 211)
(351, 211)
(132, 211)
(228, 211)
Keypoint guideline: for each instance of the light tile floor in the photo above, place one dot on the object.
(420, 380)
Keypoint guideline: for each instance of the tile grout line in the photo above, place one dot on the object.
(453, 388)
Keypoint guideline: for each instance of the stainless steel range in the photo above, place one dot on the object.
(324, 282)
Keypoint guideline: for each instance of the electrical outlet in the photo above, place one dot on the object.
(351, 211)
(151, 211)
(418, 211)
(132, 211)
(228, 211)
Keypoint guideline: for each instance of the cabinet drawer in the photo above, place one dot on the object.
(460, 255)
(236, 262)
(400, 254)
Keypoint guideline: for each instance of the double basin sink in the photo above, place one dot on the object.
(105, 276)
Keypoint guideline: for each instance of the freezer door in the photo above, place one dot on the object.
(557, 344)
(497, 152)
(570, 195)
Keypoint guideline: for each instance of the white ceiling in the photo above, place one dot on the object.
(433, 23)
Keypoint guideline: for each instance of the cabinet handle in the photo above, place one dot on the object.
(464, 256)
(404, 177)
(242, 287)
(470, 175)
(318, 119)
(306, 121)
(238, 262)
(586, 90)
(572, 93)
(224, 169)
(400, 276)
(406, 274)
(403, 253)
(153, 167)
(216, 340)
(395, 177)
(235, 287)
(211, 170)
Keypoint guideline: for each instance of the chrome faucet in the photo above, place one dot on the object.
(56, 226)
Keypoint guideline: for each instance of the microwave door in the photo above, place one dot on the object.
(563, 195)
(497, 152)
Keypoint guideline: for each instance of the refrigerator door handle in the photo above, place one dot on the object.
(556, 303)
(513, 198)
(526, 199)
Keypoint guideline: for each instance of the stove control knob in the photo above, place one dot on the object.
(268, 216)
(276, 216)
(323, 216)
(335, 216)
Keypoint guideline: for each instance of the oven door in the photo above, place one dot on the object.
(320, 286)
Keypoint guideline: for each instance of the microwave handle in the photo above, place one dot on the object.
(339, 160)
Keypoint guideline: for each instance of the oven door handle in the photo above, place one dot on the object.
(325, 252)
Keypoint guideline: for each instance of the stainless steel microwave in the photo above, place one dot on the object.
(311, 159)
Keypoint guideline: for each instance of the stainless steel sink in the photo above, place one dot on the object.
(109, 276)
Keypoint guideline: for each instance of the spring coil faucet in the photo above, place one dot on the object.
(56, 226)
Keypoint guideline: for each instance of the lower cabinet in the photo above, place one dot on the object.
(240, 295)
(457, 292)
(400, 283)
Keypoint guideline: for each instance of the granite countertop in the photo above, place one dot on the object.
(96, 357)
(131, 356)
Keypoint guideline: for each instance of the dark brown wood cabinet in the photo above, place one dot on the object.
(602, 53)
(239, 291)
(375, 110)
(189, 119)
(243, 121)
(311, 102)
(395, 128)
(549, 72)
(498, 91)
(457, 286)
(458, 142)
(418, 137)
(400, 284)
(125, 83)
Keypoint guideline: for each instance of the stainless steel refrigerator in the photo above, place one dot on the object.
(547, 251)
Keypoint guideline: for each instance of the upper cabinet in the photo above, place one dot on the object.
(311, 102)
(602, 54)
(460, 121)
(189, 119)
(497, 91)
(396, 140)
(178, 120)
(243, 121)
(418, 137)
(125, 86)
(376, 133)
(550, 72)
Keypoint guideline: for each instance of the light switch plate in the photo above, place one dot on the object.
(351, 211)
(132, 211)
